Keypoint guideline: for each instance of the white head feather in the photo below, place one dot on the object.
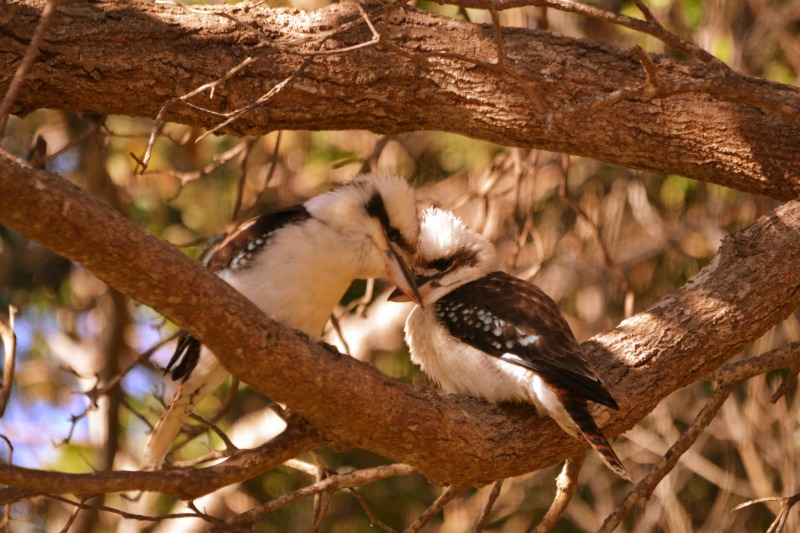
(451, 253)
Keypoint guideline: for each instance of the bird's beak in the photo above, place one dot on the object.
(423, 286)
(401, 276)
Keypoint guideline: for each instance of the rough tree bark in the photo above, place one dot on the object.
(426, 73)
(751, 285)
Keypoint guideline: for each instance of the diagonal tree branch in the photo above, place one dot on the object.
(425, 72)
(751, 285)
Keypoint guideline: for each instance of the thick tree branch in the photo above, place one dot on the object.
(425, 72)
(751, 285)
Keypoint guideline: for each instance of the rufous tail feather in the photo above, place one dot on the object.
(576, 407)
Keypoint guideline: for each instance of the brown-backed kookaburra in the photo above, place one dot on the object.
(485, 333)
(296, 265)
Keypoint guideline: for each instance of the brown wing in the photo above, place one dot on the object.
(514, 320)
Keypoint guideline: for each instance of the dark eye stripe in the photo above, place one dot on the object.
(376, 208)
(463, 257)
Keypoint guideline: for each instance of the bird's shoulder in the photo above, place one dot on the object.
(514, 320)
(249, 238)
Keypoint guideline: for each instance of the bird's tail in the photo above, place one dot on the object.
(576, 407)
(204, 379)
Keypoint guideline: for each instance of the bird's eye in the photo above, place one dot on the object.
(393, 234)
(442, 264)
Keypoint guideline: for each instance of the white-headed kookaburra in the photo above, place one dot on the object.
(485, 333)
(295, 265)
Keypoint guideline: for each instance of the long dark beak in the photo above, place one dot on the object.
(401, 276)
(423, 285)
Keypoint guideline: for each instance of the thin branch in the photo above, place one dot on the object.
(786, 505)
(31, 52)
(73, 516)
(598, 237)
(186, 482)
(329, 484)
(123, 514)
(727, 377)
(566, 483)
(487, 509)
(373, 519)
(649, 26)
(433, 510)
(787, 384)
(498, 36)
(237, 206)
(291, 49)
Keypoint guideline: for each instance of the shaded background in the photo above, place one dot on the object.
(601, 240)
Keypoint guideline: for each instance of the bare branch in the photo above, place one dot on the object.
(24, 67)
(727, 377)
(566, 484)
(487, 509)
(433, 509)
(537, 98)
(331, 483)
(187, 483)
(780, 521)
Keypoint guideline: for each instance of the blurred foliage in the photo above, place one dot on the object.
(658, 229)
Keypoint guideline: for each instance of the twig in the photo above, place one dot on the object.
(566, 483)
(780, 521)
(31, 52)
(237, 206)
(322, 500)
(331, 483)
(234, 115)
(487, 509)
(649, 26)
(727, 377)
(787, 384)
(337, 327)
(301, 466)
(123, 514)
(292, 48)
(612, 266)
(9, 356)
(193, 431)
(229, 446)
(374, 521)
(498, 36)
(653, 82)
(433, 510)
(73, 516)
(370, 163)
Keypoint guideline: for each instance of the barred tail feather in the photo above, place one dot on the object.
(204, 379)
(576, 407)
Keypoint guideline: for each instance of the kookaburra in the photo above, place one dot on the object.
(487, 334)
(296, 264)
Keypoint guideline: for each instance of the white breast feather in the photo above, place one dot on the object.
(459, 368)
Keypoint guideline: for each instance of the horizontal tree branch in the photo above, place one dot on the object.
(751, 285)
(186, 483)
(423, 72)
